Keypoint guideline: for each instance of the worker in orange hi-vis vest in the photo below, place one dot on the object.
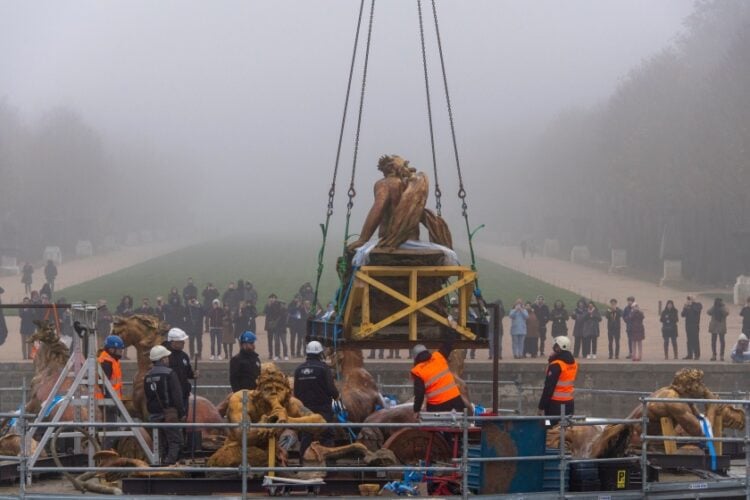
(109, 360)
(559, 383)
(434, 381)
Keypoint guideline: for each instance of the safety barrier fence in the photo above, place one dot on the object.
(462, 464)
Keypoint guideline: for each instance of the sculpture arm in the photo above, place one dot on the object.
(374, 216)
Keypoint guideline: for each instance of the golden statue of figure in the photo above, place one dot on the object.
(399, 208)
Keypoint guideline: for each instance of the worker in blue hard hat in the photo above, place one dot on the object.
(244, 367)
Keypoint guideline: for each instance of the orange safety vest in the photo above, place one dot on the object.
(116, 379)
(440, 386)
(564, 389)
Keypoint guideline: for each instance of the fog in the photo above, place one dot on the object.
(225, 114)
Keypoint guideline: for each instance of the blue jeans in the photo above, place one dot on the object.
(517, 344)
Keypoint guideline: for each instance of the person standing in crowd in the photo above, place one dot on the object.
(231, 297)
(194, 315)
(174, 313)
(718, 327)
(46, 290)
(145, 307)
(190, 291)
(275, 327)
(246, 316)
(125, 307)
(741, 351)
(160, 309)
(179, 362)
(691, 311)
(296, 320)
(668, 320)
(578, 316)
(542, 315)
(499, 322)
(590, 333)
(3, 324)
(434, 381)
(637, 331)
(531, 342)
(50, 274)
(244, 368)
(174, 293)
(251, 294)
(103, 321)
(314, 386)
(306, 292)
(614, 317)
(27, 277)
(628, 329)
(109, 360)
(164, 403)
(518, 316)
(559, 318)
(27, 327)
(209, 294)
(214, 325)
(559, 382)
(227, 332)
(745, 313)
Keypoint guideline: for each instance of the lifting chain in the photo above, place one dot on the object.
(438, 192)
(332, 190)
(352, 192)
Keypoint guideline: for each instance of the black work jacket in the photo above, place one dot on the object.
(162, 388)
(313, 385)
(244, 370)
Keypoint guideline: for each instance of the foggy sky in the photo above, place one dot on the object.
(246, 96)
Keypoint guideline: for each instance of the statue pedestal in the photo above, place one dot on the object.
(672, 272)
(9, 265)
(54, 254)
(619, 260)
(580, 255)
(551, 248)
(84, 248)
(741, 289)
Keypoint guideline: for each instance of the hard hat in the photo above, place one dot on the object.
(247, 338)
(562, 342)
(742, 337)
(158, 352)
(417, 349)
(113, 342)
(314, 347)
(176, 334)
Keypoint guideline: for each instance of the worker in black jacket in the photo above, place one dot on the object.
(244, 367)
(313, 385)
(559, 383)
(164, 403)
(179, 361)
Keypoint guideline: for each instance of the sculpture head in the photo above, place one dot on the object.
(45, 333)
(688, 382)
(394, 165)
(273, 386)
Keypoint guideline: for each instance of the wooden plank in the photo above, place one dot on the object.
(430, 271)
(355, 299)
(413, 279)
(667, 429)
(410, 306)
(365, 304)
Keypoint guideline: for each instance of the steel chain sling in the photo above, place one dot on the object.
(332, 190)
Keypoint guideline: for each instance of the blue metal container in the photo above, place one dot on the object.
(512, 439)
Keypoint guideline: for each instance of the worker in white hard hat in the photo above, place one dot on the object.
(164, 403)
(559, 383)
(741, 351)
(179, 361)
(314, 386)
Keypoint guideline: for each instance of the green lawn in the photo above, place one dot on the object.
(272, 265)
